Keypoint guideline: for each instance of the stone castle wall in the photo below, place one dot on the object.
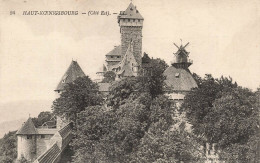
(26, 147)
(43, 144)
(129, 33)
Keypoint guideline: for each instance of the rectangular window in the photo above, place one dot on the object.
(128, 20)
(134, 20)
(42, 136)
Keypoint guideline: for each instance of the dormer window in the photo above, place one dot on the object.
(64, 78)
(177, 75)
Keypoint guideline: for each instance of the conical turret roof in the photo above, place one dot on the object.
(28, 128)
(74, 71)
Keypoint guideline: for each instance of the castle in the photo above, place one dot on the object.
(45, 145)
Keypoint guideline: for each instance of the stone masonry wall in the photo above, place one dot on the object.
(43, 144)
(26, 147)
(134, 33)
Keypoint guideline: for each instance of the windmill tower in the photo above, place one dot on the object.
(182, 57)
(179, 79)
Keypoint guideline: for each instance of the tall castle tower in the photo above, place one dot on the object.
(131, 25)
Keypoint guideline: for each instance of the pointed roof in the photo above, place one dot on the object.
(73, 72)
(130, 13)
(146, 59)
(28, 128)
(128, 62)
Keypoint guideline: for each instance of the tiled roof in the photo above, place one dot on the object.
(65, 131)
(66, 135)
(179, 79)
(74, 71)
(50, 156)
(104, 87)
(115, 52)
(128, 62)
(28, 128)
(125, 65)
(127, 71)
(130, 13)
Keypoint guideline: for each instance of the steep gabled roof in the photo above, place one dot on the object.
(73, 72)
(28, 128)
(130, 13)
(128, 62)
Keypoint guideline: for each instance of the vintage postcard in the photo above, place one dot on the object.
(129, 81)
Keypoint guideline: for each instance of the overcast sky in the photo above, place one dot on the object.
(35, 51)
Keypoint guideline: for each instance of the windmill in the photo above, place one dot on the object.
(181, 56)
(181, 49)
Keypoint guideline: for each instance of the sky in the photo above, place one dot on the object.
(35, 50)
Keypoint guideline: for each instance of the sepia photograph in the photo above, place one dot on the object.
(129, 81)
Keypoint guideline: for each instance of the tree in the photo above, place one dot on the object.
(126, 132)
(198, 103)
(240, 126)
(152, 77)
(76, 97)
(159, 145)
(137, 109)
(109, 76)
(8, 146)
(225, 114)
(42, 118)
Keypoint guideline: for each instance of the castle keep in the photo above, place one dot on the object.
(125, 59)
(45, 145)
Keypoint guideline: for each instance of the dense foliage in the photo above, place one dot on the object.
(227, 115)
(152, 76)
(136, 126)
(109, 76)
(8, 145)
(77, 96)
(42, 118)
